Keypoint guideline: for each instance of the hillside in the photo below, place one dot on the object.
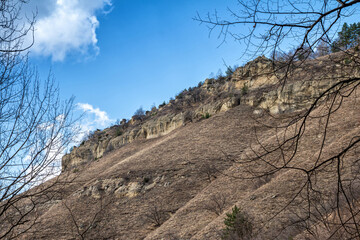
(175, 172)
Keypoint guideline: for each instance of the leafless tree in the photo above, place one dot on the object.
(327, 192)
(209, 171)
(217, 204)
(83, 227)
(35, 126)
(156, 215)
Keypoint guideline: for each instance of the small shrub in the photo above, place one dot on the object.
(230, 70)
(156, 215)
(209, 171)
(347, 60)
(139, 113)
(216, 204)
(146, 180)
(238, 225)
(181, 94)
(219, 74)
(119, 132)
(163, 104)
(206, 115)
(245, 89)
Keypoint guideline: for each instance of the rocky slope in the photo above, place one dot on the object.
(175, 173)
(254, 84)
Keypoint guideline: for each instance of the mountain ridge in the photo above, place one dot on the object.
(181, 183)
(253, 84)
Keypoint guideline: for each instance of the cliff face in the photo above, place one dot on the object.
(176, 172)
(261, 83)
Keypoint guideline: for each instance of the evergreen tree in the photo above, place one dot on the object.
(238, 225)
(348, 37)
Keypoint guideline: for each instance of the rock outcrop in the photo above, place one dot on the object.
(153, 178)
(255, 84)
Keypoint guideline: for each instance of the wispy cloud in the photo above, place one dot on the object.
(67, 26)
(92, 119)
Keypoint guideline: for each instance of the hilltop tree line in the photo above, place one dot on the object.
(348, 37)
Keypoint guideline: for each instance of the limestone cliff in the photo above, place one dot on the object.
(255, 84)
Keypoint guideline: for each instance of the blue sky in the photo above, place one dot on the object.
(145, 52)
(117, 55)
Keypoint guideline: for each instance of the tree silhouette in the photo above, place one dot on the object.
(35, 126)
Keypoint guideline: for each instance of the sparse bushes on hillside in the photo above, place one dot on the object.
(323, 49)
(294, 54)
(245, 89)
(219, 74)
(209, 171)
(347, 60)
(119, 132)
(139, 113)
(230, 70)
(237, 225)
(216, 204)
(181, 94)
(87, 228)
(206, 115)
(156, 215)
(163, 104)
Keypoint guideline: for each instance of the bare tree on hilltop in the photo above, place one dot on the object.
(35, 126)
(325, 202)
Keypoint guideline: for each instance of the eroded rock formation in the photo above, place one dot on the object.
(261, 83)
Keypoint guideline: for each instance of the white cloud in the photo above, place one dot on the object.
(93, 118)
(67, 26)
(101, 117)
